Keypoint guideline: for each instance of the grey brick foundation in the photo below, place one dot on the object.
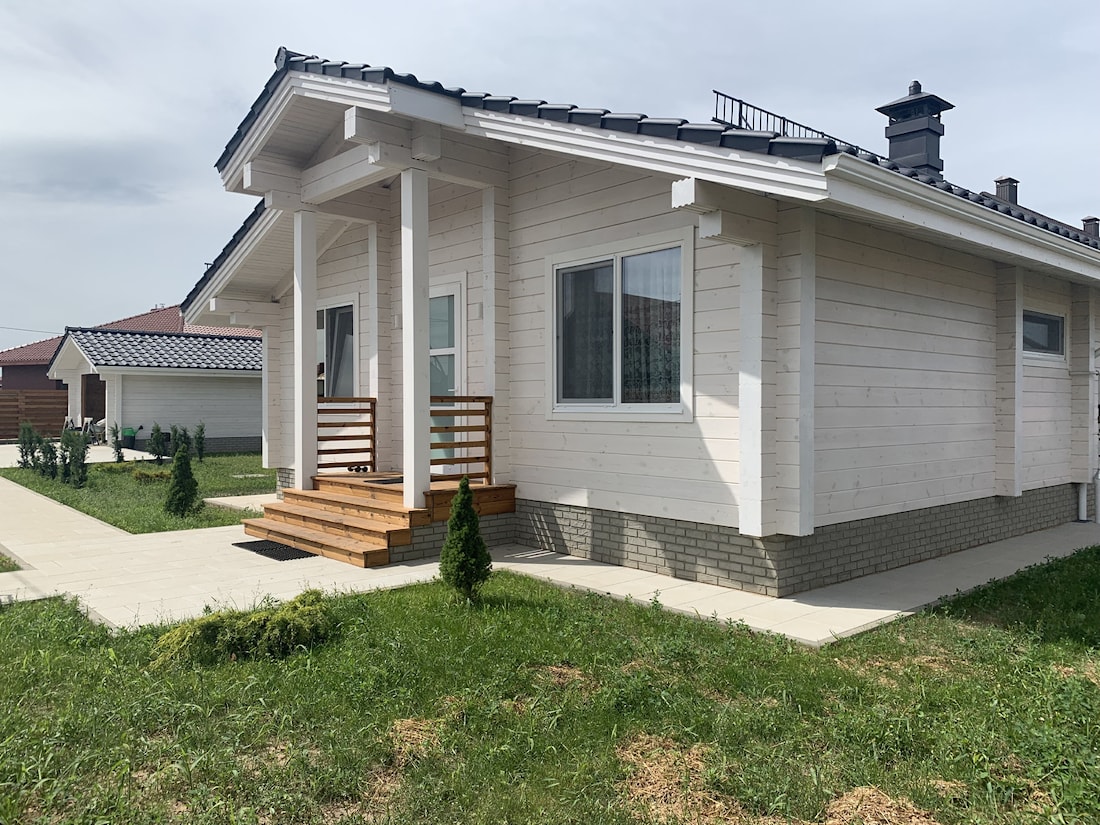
(782, 565)
(496, 530)
(227, 444)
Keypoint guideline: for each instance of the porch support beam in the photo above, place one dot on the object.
(416, 429)
(305, 348)
(495, 325)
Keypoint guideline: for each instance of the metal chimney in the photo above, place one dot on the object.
(915, 130)
(1092, 226)
(1007, 189)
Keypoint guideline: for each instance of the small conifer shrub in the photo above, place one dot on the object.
(158, 444)
(116, 442)
(28, 441)
(183, 490)
(464, 563)
(200, 440)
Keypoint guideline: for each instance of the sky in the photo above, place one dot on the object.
(114, 112)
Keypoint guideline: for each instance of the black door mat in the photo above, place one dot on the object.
(274, 551)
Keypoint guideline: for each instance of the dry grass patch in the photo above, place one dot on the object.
(563, 675)
(414, 739)
(950, 788)
(870, 806)
(666, 783)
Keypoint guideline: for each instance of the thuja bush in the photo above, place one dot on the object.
(272, 631)
(464, 563)
(183, 491)
(72, 458)
(116, 442)
(28, 443)
(179, 438)
(158, 444)
(200, 441)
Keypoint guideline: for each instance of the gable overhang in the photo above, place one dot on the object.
(333, 103)
(884, 198)
(175, 372)
(68, 359)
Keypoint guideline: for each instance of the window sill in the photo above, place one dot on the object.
(667, 413)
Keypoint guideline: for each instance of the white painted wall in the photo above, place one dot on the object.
(229, 406)
(905, 366)
(1046, 393)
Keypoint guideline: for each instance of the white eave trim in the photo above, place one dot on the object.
(176, 371)
(785, 177)
(799, 180)
(252, 239)
(879, 193)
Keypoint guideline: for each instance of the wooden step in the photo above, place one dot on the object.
(489, 499)
(361, 506)
(339, 548)
(373, 531)
(350, 485)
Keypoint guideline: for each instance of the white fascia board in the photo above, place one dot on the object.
(252, 239)
(880, 194)
(175, 371)
(69, 358)
(794, 179)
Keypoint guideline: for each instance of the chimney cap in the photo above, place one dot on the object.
(917, 103)
(1005, 179)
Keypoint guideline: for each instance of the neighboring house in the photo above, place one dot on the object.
(24, 368)
(714, 350)
(168, 378)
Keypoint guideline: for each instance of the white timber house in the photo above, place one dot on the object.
(715, 350)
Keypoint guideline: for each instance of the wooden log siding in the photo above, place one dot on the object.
(346, 433)
(44, 409)
(471, 418)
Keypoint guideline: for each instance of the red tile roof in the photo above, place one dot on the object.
(158, 319)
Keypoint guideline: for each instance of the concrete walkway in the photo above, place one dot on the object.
(97, 454)
(127, 580)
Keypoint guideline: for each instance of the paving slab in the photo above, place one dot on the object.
(125, 580)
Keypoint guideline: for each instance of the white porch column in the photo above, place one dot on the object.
(495, 324)
(415, 363)
(305, 348)
(74, 384)
(756, 391)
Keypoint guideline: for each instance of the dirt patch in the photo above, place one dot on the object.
(563, 675)
(666, 783)
(413, 739)
(870, 806)
(1091, 671)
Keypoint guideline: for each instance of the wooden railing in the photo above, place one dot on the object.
(467, 438)
(346, 433)
(461, 436)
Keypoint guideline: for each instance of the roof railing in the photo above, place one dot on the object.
(735, 113)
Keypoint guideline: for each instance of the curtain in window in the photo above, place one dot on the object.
(586, 328)
(340, 352)
(651, 328)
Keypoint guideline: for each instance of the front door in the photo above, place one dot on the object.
(445, 341)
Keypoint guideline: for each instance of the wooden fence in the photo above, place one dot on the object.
(44, 409)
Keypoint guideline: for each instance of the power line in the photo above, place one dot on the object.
(24, 329)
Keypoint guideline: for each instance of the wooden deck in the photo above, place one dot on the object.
(358, 517)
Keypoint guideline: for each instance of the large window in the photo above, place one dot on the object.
(1044, 333)
(621, 321)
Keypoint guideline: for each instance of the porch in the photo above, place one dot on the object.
(356, 513)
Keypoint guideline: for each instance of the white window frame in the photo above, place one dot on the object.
(455, 284)
(1049, 311)
(350, 299)
(617, 411)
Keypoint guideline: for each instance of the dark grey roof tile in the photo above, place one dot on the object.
(809, 149)
(558, 112)
(622, 122)
(666, 127)
(587, 117)
(747, 140)
(497, 103)
(121, 348)
(528, 108)
(709, 134)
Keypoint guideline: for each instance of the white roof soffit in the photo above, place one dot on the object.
(198, 311)
(784, 177)
(884, 197)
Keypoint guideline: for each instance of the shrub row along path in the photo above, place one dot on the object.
(126, 580)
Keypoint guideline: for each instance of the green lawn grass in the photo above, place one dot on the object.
(115, 496)
(548, 706)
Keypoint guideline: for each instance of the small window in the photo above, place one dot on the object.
(336, 352)
(1044, 333)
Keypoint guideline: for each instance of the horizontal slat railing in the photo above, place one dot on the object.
(469, 437)
(346, 433)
